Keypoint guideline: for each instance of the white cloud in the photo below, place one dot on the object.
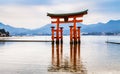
(34, 16)
(31, 16)
(23, 16)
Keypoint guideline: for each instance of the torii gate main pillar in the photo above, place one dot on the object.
(66, 18)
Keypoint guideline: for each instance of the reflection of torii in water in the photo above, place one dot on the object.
(74, 32)
(63, 64)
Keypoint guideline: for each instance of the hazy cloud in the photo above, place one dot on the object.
(32, 13)
(25, 2)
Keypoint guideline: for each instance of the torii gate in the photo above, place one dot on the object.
(66, 18)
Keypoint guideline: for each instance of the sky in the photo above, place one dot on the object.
(33, 13)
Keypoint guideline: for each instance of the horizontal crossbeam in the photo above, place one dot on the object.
(67, 21)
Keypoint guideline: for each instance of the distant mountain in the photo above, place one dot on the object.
(44, 30)
(13, 30)
(112, 26)
(47, 28)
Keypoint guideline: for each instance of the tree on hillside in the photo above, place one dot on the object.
(3, 33)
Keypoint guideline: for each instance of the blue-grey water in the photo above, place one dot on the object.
(96, 56)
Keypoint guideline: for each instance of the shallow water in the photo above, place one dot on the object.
(95, 57)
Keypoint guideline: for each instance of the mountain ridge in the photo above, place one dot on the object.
(111, 26)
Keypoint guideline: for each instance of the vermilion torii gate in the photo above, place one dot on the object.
(67, 18)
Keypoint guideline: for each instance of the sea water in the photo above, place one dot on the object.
(96, 56)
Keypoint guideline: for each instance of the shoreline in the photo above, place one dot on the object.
(25, 41)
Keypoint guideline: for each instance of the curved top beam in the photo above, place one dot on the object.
(67, 14)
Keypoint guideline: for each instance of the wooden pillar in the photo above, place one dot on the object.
(57, 31)
(79, 40)
(71, 54)
(58, 55)
(52, 29)
(78, 54)
(53, 56)
(75, 33)
(61, 34)
(75, 56)
(61, 53)
(71, 34)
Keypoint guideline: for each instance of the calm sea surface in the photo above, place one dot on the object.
(94, 56)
